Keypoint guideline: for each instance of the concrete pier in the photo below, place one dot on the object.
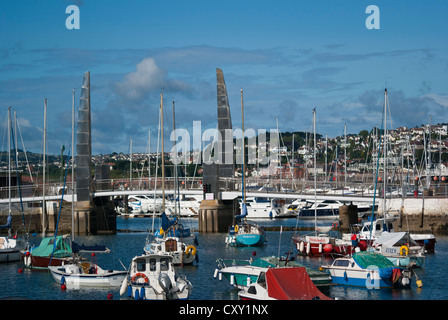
(215, 215)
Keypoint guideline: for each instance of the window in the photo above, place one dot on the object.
(341, 263)
(164, 264)
(262, 279)
(152, 265)
(141, 265)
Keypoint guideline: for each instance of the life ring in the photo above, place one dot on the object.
(236, 228)
(138, 276)
(405, 249)
(191, 249)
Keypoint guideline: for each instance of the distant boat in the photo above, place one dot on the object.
(283, 284)
(328, 209)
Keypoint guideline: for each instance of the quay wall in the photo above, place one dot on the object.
(418, 215)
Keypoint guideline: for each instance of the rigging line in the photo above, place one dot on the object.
(24, 152)
(17, 173)
(59, 214)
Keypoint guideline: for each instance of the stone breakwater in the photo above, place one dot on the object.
(418, 215)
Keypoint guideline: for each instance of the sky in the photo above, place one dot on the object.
(288, 57)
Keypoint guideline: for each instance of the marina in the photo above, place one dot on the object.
(149, 175)
(19, 282)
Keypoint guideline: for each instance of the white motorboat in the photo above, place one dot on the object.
(10, 249)
(328, 209)
(400, 248)
(181, 252)
(86, 274)
(152, 277)
(186, 207)
(144, 203)
(369, 269)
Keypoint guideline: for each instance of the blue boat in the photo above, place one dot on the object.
(371, 270)
(245, 233)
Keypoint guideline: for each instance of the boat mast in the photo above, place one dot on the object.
(242, 126)
(315, 170)
(9, 163)
(175, 166)
(44, 206)
(385, 154)
(73, 167)
(163, 155)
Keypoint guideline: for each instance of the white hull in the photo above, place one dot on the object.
(102, 278)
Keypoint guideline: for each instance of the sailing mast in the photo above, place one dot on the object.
(385, 153)
(9, 165)
(315, 170)
(176, 183)
(73, 167)
(242, 126)
(163, 155)
(44, 206)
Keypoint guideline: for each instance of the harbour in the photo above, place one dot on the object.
(157, 152)
(39, 285)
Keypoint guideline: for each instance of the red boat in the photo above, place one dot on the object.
(322, 244)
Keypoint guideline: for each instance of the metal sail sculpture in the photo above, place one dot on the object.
(83, 143)
(226, 166)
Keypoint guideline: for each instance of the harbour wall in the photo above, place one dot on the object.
(418, 215)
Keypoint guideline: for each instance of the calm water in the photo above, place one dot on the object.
(39, 285)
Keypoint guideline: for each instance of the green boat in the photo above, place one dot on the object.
(241, 273)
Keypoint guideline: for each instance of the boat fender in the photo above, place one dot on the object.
(136, 294)
(190, 250)
(129, 291)
(248, 281)
(220, 276)
(216, 273)
(308, 247)
(62, 280)
(123, 286)
(320, 247)
(302, 244)
(404, 250)
(236, 228)
(232, 279)
(142, 293)
(196, 258)
(27, 258)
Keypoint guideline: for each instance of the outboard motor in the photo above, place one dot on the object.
(165, 282)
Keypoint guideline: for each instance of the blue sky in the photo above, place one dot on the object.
(288, 56)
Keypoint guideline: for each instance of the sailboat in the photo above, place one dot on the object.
(245, 233)
(318, 244)
(171, 236)
(10, 246)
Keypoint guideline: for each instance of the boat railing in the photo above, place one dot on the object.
(225, 263)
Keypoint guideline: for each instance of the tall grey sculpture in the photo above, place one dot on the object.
(84, 144)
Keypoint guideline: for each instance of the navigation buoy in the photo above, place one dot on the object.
(20, 270)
